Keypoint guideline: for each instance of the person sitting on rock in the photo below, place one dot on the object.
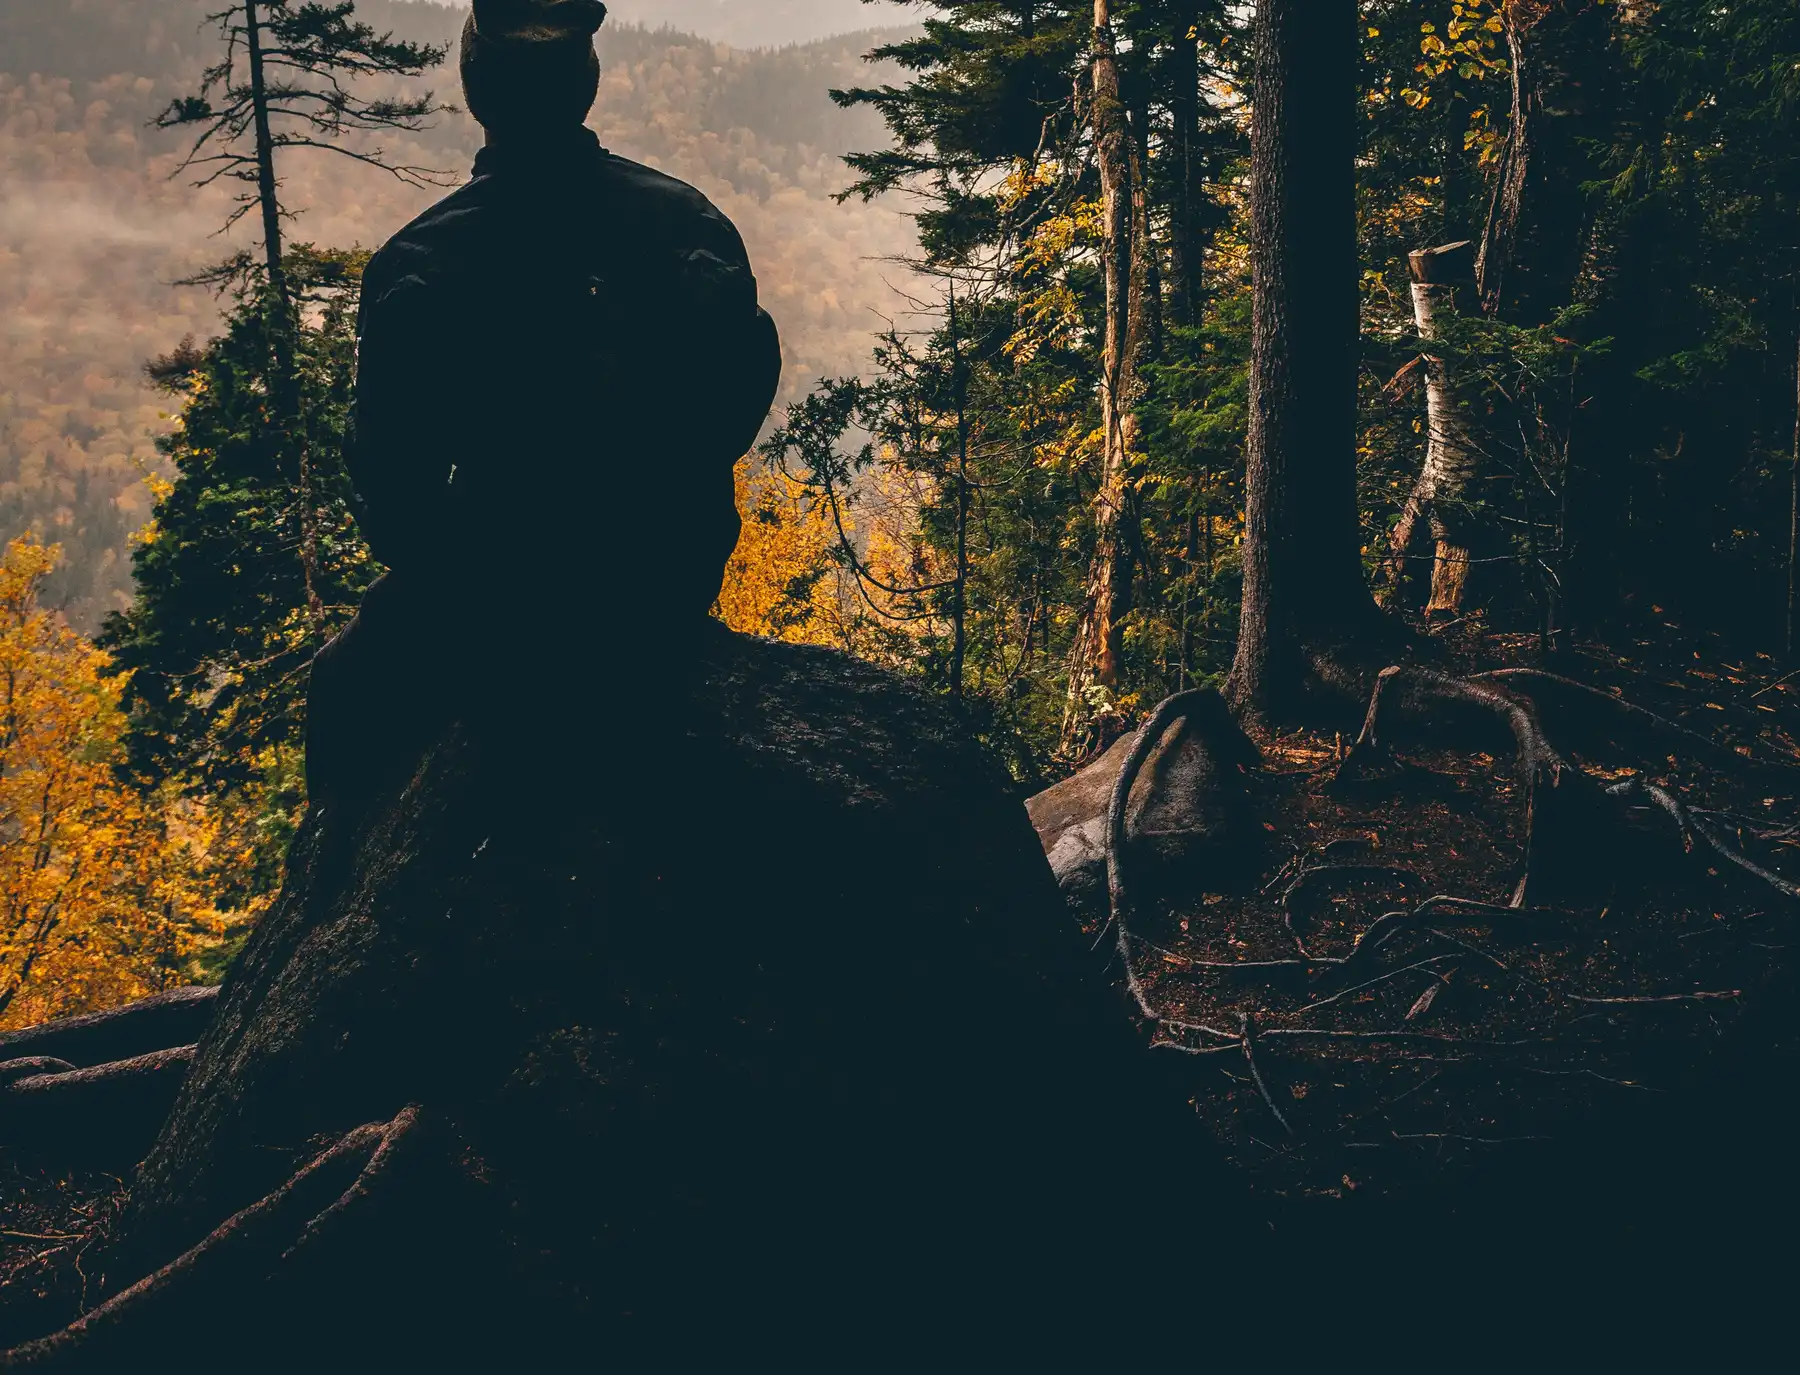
(568, 331)
(758, 1023)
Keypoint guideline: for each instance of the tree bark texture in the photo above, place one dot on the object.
(1793, 588)
(1531, 250)
(1186, 248)
(1094, 658)
(1440, 496)
(282, 327)
(1306, 604)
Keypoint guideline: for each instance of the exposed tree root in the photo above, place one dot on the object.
(228, 1276)
(1117, 898)
(31, 1066)
(176, 1018)
(1694, 825)
(1571, 831)
(1313, 880)
(106, 1114)
(1535, 680)
(1574, 833)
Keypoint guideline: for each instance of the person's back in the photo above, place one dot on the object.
(567, 333)
(560, 365)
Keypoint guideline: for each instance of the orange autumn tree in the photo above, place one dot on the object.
(102, 887)
(781, 581)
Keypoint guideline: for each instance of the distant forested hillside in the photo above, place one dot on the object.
(757, 23)
(94, 229)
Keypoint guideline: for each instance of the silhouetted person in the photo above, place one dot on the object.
(560, 365)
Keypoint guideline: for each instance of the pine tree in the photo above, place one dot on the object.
(254, 561)
(282, 86)
(220, 636)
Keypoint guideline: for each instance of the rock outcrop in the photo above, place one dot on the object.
(757, 1010)
(1189, 822)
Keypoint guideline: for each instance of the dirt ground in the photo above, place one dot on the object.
(1626, 1067)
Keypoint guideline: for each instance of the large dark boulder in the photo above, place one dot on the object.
(745, 1007)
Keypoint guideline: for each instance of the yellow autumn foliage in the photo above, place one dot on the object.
(102, 888)
(781, 581)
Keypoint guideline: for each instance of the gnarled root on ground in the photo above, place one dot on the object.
(176, 1018)
(1574, 839)
(105, 1115)
(1571, 828)
(301, 1242)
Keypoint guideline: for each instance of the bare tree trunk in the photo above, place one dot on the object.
(1532, 247)
(283, 325)
(1186, 253)
(959, 652)
(1309, 624)
(1441, 493)
(1793, 591)
(265, 153)
(1094, 658)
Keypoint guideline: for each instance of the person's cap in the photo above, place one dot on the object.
(538, 21)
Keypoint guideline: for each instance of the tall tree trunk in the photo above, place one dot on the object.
(1094, 658)
(1441, 494)
(265, 153)
(1532, 248)
(1186, 242)
(283, 317)
(1309, 624)
(1146, 265)
(1793, 589)
(1564, 70)
(959, 651)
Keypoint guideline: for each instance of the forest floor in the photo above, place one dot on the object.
(1625, 1067)
(49, 1220)
(1623, 1071)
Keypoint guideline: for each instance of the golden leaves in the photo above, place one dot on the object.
(100, 896)
(778, 582)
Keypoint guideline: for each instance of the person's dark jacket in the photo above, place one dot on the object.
(560, 364)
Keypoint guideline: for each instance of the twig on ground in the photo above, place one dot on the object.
(1370, 983)
(1256, 1074)
(1663, 998)
(1472, 1140)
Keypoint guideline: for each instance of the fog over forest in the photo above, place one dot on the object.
(95, 228)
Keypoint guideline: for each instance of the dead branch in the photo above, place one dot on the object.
(1370, 983)
(1729, 996)
(1247, 1027)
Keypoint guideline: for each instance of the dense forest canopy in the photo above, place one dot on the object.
(1574, 373)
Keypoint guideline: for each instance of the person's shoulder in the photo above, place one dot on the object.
(676, 214)
(428, 240)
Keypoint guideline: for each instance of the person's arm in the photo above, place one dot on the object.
(409, 393)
